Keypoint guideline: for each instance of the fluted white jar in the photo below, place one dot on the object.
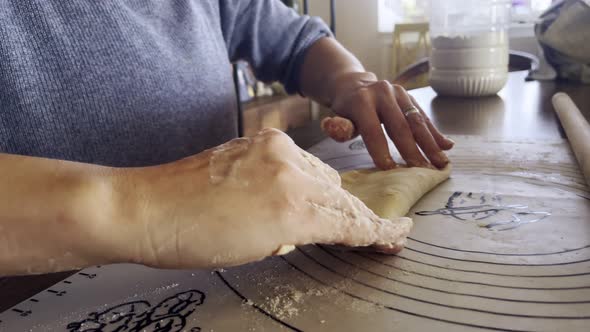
(469, 54)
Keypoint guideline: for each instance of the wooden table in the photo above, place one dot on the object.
(522, 110)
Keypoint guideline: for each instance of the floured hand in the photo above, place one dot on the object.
(243, 201)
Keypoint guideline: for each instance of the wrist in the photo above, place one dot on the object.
(99, 206)
(120, 214)
(148, 206)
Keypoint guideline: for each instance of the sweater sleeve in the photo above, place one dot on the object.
(271, 37)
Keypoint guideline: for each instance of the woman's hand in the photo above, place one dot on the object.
(243, 201)
(363, 103)
(236, 203)
(333, 77)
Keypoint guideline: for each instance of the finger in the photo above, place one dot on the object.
(419, 129)
(344, 219)
(369, 126)
(443, 142)
(338, 128)
(389, 249)
(397, 127)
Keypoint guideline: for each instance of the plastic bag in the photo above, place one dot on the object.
(563, 31)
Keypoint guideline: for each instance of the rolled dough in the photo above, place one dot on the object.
(392, 193)
(284, 249)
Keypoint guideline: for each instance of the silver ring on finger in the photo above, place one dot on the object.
(410, 111)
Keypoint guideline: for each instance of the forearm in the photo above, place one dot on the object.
(236, 203)
(54, 215)
(326, 68)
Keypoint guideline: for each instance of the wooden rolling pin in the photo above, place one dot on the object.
(576, 128)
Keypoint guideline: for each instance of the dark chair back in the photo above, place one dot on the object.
(517, 61)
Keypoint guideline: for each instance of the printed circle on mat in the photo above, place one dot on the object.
(501, 250)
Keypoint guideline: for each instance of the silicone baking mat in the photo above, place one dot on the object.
(503, 245)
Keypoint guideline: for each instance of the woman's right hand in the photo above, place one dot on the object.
(240, 202)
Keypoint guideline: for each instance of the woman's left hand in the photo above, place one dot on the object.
(362, 103)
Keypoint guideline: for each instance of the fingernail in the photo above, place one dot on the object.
(389, 163)
(450, 143)
(444, 160)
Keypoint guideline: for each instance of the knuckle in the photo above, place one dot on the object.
(233, 144)
(270, 133)
(276, 139)
(382, 86)
(398, 89)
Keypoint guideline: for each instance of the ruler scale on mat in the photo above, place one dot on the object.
(504, 245)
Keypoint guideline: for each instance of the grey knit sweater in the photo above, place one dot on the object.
(136, 82)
